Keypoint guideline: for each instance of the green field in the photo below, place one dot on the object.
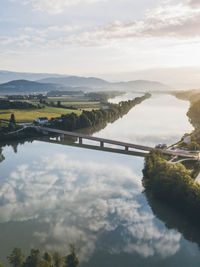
(31, 115)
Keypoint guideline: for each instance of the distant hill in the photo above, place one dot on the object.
(50, 82)
(140, 85)
(29, 87)
(190, 95)
(26, 87)
(76, 81)
(7, 76)
(96, 84)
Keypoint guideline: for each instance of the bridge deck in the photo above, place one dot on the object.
(98, 139)
(115, 142)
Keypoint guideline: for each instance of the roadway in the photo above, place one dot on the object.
(114, 142)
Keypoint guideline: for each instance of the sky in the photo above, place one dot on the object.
(113, 39)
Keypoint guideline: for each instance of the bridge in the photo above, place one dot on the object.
(102, 141)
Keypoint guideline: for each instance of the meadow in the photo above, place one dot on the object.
(31, 115)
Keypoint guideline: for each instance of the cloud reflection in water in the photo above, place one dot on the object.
(80, 200)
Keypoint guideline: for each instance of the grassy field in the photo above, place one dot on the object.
(82, 104)
(31, 115)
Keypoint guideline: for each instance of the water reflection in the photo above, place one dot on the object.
(1, 156)
(52, 195)
(82, 204)
(174, 219)
(160, 119)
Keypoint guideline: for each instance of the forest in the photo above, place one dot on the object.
(6, 104)
(171, 183)
(194, 114)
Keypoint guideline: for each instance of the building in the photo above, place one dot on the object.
(42, 120)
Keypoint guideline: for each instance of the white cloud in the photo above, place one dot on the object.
(56, 6)
(170, 21)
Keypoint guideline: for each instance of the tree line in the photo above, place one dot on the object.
(6, 104)
(93, 118)
(103, 96)
(194, 114)
(35, 259)
(171, 183)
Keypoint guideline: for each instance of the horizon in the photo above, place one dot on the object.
(152, 75)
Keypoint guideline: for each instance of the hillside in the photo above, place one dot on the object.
(24, 86)
(96, 83)
(191, 95)
(69, 83)
(141, 85)
(76, 81)
(8, 76)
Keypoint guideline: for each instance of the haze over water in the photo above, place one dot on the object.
(52, 195)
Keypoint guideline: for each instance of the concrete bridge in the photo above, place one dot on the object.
(66, 142)
(103, 141)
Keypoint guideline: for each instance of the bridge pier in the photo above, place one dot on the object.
(101, 144)
(126, 148)
(80, 140)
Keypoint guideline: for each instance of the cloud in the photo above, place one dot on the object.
(56, 6)
(169, 21)
(80, 204)
(194, 3)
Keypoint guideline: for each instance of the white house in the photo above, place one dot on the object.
(42, 120)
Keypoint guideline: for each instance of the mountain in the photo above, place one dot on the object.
(24, 86)
(141, 85)
(29, 87)
(7, 76)
(76, 81)
(99, 84)
(50, 82)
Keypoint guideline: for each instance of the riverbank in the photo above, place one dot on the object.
(171, 183)
(176, 181)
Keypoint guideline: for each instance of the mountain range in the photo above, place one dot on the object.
(31, 82)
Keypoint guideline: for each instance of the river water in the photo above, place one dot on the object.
(52, 195)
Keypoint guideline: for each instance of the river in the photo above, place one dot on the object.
(52, 195)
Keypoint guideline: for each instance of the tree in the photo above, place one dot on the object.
(48, 258)
(44, 263)
(71, 260)
(33, 259)
(15, 258)
(12, 118)
(193, 146)
(58, 260)
(59, 104)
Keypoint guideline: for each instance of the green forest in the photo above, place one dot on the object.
(171, 183)
(194, 114)
(7, 104)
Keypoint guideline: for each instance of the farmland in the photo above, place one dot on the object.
(31, 115)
